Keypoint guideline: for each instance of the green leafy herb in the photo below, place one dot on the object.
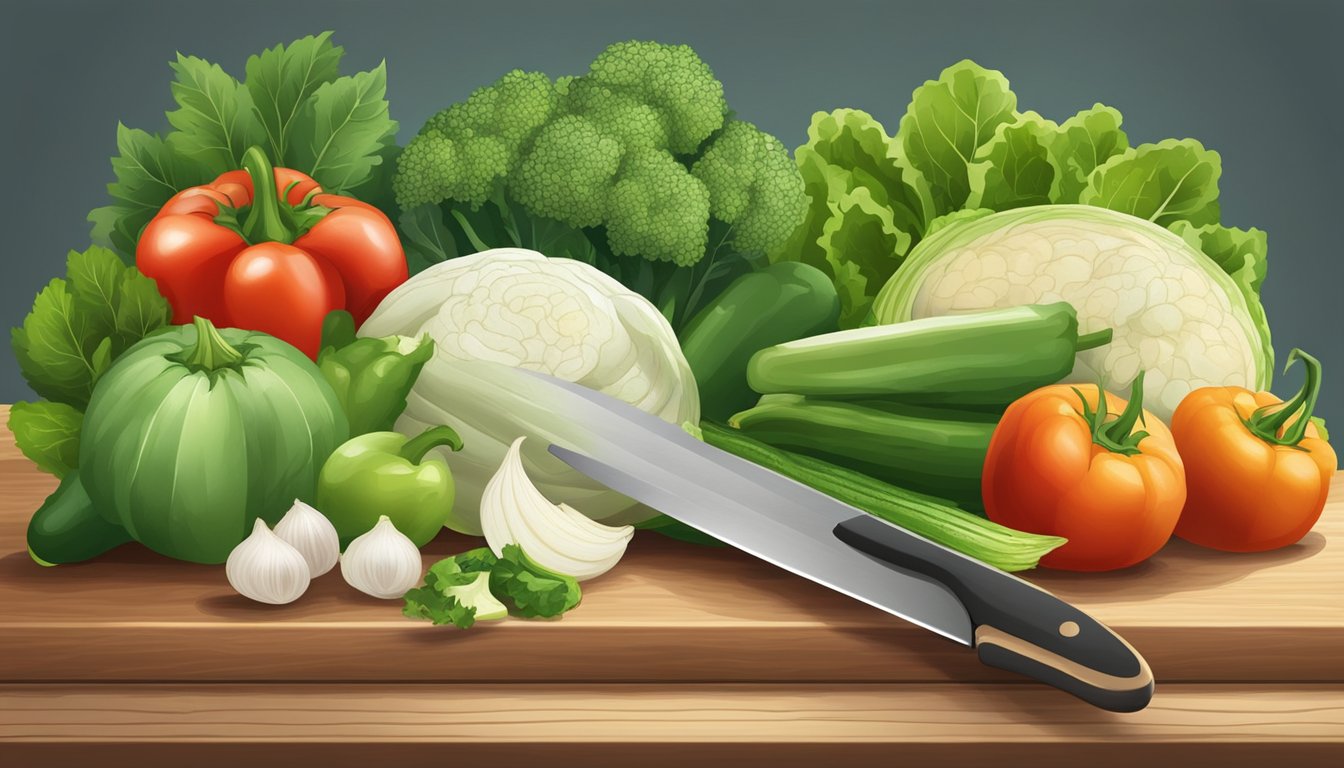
(48, 434)
(340, 131)
(457, 591)
(281, 80)
(438, 608)
(80, 324)
(294, 103)
(531, 590)
(214, 121)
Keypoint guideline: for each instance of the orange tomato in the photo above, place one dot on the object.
(1257, 475)
(1058, 465)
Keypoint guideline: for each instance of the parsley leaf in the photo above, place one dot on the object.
(533, 591)
(214, 121)
(339, 135)
(281, 79)
(429, 603)
(80, 324)
(48, 434)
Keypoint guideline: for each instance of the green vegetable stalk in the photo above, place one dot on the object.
(934, 451)
(929, 517)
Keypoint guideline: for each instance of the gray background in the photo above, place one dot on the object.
(1258, 81)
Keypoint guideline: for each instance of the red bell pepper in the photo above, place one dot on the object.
(276, 262)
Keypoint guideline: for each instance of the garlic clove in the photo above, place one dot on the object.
(310, 532)
(382, 563)
(266, 568)
(555, 536)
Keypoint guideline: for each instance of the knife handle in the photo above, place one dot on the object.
(1018, 626)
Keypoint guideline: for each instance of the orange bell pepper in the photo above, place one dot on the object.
(1257, 471)
(1058, 465)
(274, 256)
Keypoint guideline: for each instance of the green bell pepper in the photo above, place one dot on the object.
(371, 376)
(386, 473)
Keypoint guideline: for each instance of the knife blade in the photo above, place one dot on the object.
(1013, 624)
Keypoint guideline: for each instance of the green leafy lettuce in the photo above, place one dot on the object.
(964, 150)
(293, 103)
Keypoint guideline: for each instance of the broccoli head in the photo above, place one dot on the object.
(633, 162)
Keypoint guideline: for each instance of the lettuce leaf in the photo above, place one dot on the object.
(948, 121)
(1172, 180)
(1015, 168)
(1082, 144)
(48, 434)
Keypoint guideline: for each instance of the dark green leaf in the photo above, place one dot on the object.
(439, 609)
(530, 590)
(215, 122)
(47, 433)
(425, 236)
(339, 135)
(141, 310)
(280, 81)
(148, 172)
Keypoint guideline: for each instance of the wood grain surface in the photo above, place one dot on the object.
(699, 652)
(1002, 725)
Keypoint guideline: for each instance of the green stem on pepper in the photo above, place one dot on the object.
(266, 222)
(415, 449)
(1115, 435)
(1267, 421)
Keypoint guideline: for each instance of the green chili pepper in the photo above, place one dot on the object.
(386, 473)
(371, 377)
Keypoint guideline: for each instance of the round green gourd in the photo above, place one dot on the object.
(190, 437)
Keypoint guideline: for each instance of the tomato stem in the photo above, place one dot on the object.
(415, 449)
(1115, 435)
(266, 222)
(1267, 421)
(211, 352)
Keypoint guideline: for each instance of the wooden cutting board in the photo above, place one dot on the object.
(698, 648)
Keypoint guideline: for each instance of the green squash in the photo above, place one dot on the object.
(190, 437)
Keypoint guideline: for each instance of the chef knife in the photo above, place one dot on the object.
(1012, 624)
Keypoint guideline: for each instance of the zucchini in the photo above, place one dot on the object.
(781, 302)
(939, 452)
(67, 528)
(980, 360)
(935, 520)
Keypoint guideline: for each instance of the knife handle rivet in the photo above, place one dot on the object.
(1069, 629)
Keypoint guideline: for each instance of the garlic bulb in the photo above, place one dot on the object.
(556, 537)
(310, 532)
(266, 568)
(382, 563)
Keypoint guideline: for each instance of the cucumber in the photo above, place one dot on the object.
(67, 528)
(939, 452)
(782, 302)
(980, 360)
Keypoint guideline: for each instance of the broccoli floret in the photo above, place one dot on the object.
(465, 152)
(569, 172)
(658, 210)
(670, 78)
(753, 185)
(636, 124)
